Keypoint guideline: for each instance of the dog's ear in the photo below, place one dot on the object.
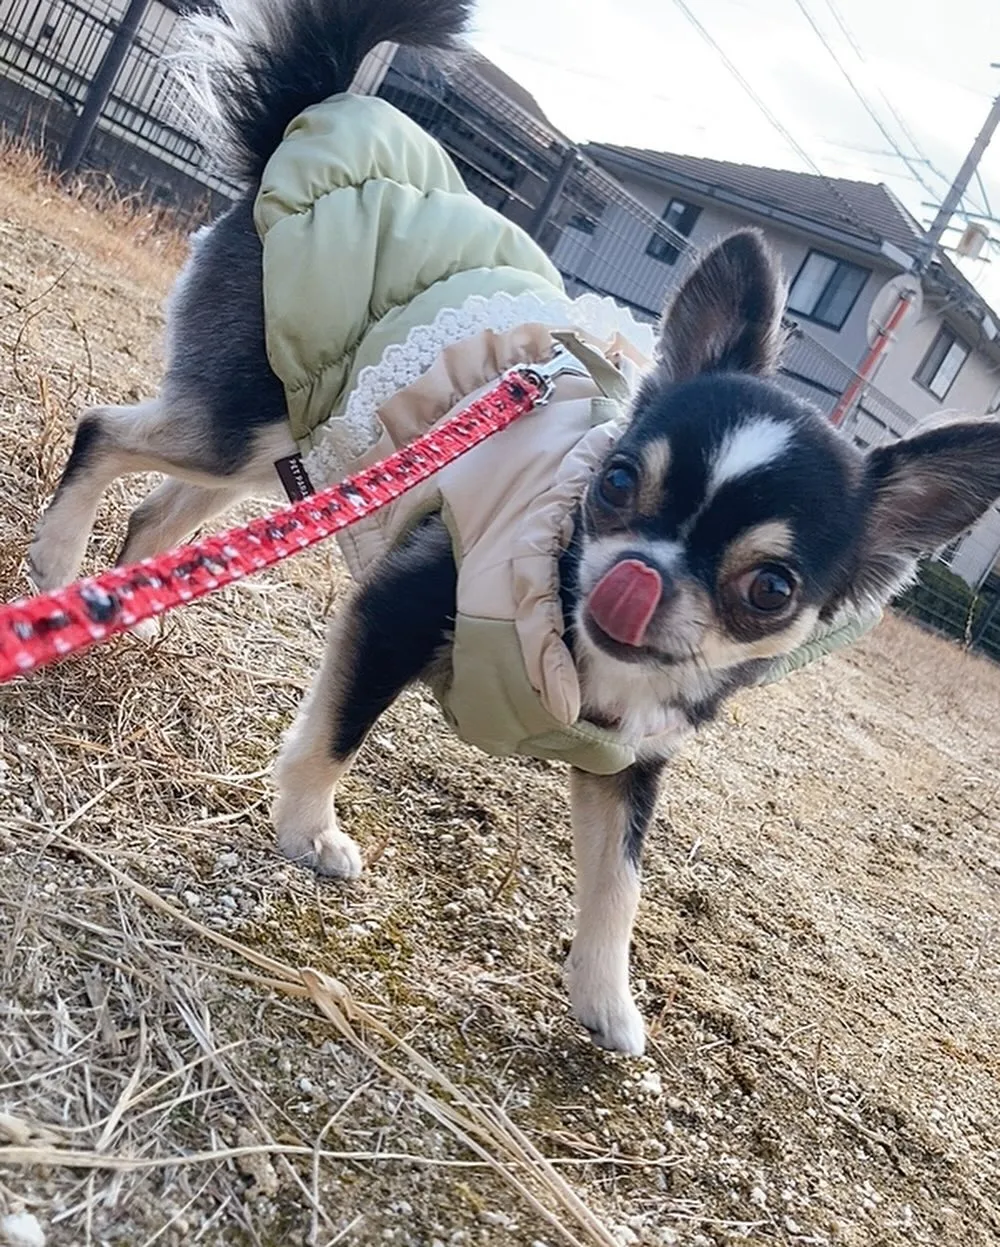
(727, 314)
(924, 491)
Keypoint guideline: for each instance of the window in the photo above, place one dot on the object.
(942, 363)
(585, 224)
(826, 288)
(681, 218)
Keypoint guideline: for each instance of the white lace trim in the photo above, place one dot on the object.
(346, 437)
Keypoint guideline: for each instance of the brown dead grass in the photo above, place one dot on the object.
(818, 950)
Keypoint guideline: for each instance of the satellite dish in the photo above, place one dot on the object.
(886, 300)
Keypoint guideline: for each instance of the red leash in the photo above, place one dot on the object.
(35, 632)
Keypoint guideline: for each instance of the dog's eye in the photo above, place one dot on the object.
(768, 589)
(618, 485)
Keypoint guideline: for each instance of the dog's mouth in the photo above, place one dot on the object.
(630, 653)
(620, 609)
(624, 601)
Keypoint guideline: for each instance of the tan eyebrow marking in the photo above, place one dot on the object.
(655, 465)
(771, 540)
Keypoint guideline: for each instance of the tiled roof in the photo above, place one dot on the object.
(862, 208)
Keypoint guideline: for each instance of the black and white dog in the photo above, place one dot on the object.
(728, 520)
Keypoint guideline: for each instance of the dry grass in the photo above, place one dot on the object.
(200, 1044)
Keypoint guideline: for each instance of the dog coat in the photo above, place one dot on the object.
(392, 297)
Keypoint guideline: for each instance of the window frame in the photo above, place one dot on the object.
(659, 248)
(838, 261)
(928, 384)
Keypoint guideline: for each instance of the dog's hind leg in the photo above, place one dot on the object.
(152, 437)
(105, 447)
(171, 513)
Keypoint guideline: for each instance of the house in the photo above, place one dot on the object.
(849, 249)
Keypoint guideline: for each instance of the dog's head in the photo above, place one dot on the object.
(731, 516)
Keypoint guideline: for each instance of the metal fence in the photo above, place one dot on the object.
(50, 53)
(600, 237)
(943, 602)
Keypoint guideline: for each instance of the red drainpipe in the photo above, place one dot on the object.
(863, 375)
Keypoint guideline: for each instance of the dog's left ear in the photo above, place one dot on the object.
(727, 315)
(924, 491)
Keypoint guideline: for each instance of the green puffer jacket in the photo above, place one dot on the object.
(368, 232)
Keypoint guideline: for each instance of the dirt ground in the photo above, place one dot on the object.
(818, 950)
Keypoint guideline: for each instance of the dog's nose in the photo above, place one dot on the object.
(625, 599)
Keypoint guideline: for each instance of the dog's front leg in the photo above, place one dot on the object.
(610, 816)
(317, 753)
(385, 637)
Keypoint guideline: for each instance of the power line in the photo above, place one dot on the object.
(790, 139)
(818, 32)
(906, 131)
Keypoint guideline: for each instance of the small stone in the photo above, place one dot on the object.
(475, 898)
(792, 1226)
(496, 1218)
(651, 1083)
(758, 1196)
(22, 1229)
(192, 900)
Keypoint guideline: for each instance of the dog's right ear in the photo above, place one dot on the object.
(727, 314)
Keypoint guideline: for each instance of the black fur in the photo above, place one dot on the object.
(638, 788)
(310, 50)
(219, 311)
(86, 442)
(398, 622)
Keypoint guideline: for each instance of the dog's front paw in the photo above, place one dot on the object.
(607, 1012)
(327, 851)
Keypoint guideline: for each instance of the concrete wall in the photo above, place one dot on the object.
(980, 550)
(615, 259)
(973, 390)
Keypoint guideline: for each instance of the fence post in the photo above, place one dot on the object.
(553, 194)
(985, 620)
(100, 88)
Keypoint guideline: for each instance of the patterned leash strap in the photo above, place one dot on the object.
(35, 632)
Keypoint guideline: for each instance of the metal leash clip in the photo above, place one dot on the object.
(545, 374)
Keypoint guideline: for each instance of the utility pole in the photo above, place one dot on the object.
(960, 184)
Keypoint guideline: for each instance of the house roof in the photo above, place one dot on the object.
(495, 77)
(865, 209)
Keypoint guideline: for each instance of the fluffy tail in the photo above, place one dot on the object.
(254, 65)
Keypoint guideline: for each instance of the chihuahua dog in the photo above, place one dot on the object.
(728, 519)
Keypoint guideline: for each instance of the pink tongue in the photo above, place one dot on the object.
(624, 601)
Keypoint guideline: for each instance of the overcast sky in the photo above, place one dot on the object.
(639, 72)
